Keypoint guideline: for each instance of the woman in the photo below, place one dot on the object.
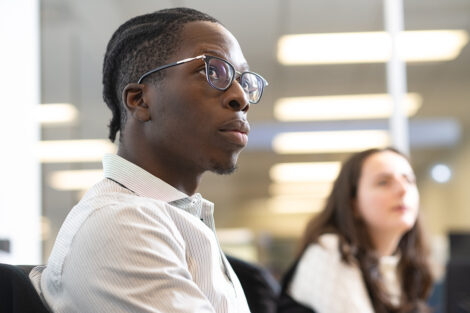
(365, 252)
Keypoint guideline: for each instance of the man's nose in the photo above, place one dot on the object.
(235, 98)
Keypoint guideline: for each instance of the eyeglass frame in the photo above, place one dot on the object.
(206, 59)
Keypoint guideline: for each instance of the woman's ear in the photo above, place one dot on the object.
(133, 99)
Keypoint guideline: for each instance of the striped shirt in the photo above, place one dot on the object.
(136, 244)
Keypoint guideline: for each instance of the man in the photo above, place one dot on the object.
(142, 240)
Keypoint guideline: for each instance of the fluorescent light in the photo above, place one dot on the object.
(305, 172)
(330, 141)
(315, 189)
(56, 113)
(74, 180)
(295, 205)
(60, 151)
(370, 47)
(364, 106)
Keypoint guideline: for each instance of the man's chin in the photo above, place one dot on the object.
(224, 166)
(224, 170)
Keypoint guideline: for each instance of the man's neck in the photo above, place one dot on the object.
(179, 177)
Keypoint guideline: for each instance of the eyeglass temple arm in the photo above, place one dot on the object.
(169, 65)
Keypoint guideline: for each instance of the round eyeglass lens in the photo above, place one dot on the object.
(219, 73)
(252, 85)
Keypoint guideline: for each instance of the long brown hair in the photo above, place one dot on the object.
(355, 244)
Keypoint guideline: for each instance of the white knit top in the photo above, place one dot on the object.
(325, 283)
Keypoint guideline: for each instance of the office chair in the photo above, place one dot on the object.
(260, 287)
(17, 294)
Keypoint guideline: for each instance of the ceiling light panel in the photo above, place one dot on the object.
(74, 179)
(329, 141)
(370, 47)
(56, 113)
(364, 106)
(304, 172)
(62, 151)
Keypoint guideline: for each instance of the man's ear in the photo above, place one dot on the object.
(133, 99)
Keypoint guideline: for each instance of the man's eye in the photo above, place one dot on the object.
(212, 73)
(247, 86)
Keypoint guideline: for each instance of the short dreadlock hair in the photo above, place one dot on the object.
(142, 43)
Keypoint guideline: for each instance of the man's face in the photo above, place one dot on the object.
(194, 126)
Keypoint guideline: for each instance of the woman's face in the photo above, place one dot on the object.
(387, 197)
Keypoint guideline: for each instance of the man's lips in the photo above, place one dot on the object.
(236, 132)
(240, 126)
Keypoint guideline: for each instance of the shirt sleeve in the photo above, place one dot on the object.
(129, 260)
(326, 284)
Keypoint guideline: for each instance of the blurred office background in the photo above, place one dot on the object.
(261, 210)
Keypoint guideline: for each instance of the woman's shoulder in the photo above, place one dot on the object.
(329, 241)
(322, 259)
(322, 275)
(327, 246)
(322, 264)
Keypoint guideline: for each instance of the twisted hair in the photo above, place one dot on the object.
(140, 44)
(356, 245)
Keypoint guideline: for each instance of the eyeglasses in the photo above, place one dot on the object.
(220, 75)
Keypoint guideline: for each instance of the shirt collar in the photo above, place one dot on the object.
(389, 262)
(139, 180)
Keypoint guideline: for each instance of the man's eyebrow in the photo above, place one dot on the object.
(245, 67)
(217, 53)
(214, 52)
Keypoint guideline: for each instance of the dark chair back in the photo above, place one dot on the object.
(457, 287)
(17, 294)
(260, 287)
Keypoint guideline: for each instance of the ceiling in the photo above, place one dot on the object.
(74, 35)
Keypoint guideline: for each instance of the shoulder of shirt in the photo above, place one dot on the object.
(326, 250)
(327, 243)
(109, 205)
(131, 207)
(110, 194)
(321, 274)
